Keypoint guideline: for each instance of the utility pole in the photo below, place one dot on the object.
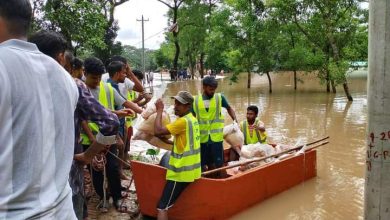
(143, 45)
(377, 183)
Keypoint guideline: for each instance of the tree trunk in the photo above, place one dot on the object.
(201, 65)
(176, 41)
(269, 82)
(295, 80)
(327, 81)
(346, 90)
(249, 80)
(333, 86)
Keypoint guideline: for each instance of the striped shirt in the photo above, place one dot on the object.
(37, 102)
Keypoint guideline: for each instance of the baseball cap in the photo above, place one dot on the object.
(183, 97)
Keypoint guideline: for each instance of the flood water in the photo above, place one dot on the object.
(308, 114)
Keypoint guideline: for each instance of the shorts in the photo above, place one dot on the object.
(171, 192)
(211, 154)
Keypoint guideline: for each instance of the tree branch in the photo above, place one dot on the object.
(169, 6)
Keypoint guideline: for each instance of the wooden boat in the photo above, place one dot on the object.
(222, 198)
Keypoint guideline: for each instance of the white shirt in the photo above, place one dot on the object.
(128, 85)
(37, 102)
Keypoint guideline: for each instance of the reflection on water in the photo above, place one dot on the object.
(308, 113)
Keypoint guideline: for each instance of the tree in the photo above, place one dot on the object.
(329, 26)
(174, 6)
(112, 48)
(81, 22)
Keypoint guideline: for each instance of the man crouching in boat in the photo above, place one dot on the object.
(252, 128)
(184, 162)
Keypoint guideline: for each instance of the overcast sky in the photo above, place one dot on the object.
(130, 32)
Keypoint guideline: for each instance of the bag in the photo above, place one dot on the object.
(152, 140)
(233, 135)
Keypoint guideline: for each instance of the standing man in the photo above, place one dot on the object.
(208, 110)
(37, 127)
(54, 45)
(184, 163)
(252, 128)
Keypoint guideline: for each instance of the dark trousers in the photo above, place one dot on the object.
(113, 178)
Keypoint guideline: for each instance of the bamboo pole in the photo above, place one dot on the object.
(270, 156)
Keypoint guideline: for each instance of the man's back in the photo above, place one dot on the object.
(37, 103)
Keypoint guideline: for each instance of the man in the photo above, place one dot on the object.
(108, 97)
(77, 68)
(208, 110)
(37, 127)
(252, 128)
(88, 108)
(184, 163)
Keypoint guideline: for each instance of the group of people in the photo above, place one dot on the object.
(59, 113)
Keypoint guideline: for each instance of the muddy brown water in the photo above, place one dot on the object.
(307, 114)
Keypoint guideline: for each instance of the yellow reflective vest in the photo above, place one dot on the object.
(185, 167)
(106, 99)
(211, 121)
(258, 137)
(129, 120)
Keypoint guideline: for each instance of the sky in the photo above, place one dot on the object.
(130, 32)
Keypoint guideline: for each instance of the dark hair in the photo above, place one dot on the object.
(94, 66)
(69, 56)
(17, 14)
(210, 81)
(118, 58)
(114, 67)
(253, 108)
(49, 42)
(138, 74)
(77, 63)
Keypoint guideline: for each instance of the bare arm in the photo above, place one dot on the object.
(132, 106)
(232, 113)
(159, 129)
(137, 84)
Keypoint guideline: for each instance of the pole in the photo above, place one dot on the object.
(377, 183)
(143, 45)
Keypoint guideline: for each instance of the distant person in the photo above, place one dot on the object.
(150, 79)
(37, 125)
(184, 162)
(252, 128)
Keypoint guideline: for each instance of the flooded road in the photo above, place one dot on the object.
(308, 114)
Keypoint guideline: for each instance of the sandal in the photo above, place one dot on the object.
(122, 208)
(103, 207)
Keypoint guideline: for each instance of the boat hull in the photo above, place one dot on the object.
(222, 198)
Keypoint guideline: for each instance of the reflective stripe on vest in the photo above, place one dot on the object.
(248, 139)
(130, 120)
(186, 167)
(211, 121)
(106, 100)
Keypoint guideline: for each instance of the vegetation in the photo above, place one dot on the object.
(240, 36)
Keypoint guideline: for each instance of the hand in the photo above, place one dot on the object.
(129, 72)
(124, 112)
(81, 158)
(159, 105)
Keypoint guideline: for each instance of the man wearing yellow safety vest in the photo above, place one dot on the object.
(208, 110)
(109, 98)
(141, 99)
(184, 162)
(252, 128)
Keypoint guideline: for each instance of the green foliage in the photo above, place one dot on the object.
(81, 22)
